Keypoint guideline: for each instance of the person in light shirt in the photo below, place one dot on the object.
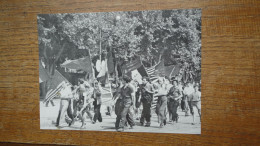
(188, 90)
(194, 101)
(85, 100)
(65, 96)
(161, 92)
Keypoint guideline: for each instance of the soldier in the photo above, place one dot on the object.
(147, 91)
(173, 101)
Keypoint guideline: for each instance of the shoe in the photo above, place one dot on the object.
(72, 122)
(161, 125)
(83, 125)
(192, 123)
(147, 125)
(63, 125)
(120, 130)
(142, 124)
(131, 127)
(164, 122)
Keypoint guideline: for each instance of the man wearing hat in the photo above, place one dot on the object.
(195, 101)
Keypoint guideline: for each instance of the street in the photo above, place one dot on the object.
(49, 114)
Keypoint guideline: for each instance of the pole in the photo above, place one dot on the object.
(100, 39)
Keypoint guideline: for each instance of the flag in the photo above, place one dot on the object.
(43, 75)
(133, 65)
(142, 71)
(57, 80)
(156, 71)
(82, 64)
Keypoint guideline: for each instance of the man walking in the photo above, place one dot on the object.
(127, 94)
(147, 91)
(173, 101)
(97, 102)
(194, 101)
(65, 96)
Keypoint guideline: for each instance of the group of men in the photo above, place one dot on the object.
(169, 94)
(76, 101)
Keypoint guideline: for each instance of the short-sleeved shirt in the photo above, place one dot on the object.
(147, 92)
(188, 91)
(195, 96)
(66, 93)
(174, 92)
(126, 91)
(97, 94)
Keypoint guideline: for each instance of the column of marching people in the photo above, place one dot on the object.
(76, 102)
(130, 95)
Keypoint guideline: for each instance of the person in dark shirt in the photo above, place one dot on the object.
(127, 95)
(173, 101)
(147, 91)
(97, 102)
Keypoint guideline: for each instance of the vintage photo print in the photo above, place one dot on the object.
(136, 71)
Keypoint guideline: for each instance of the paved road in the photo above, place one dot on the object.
(49, 114)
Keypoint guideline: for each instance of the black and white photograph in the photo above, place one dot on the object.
(133, 71)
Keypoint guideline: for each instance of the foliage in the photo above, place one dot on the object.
(150, 34)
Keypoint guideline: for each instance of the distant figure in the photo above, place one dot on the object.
(97, 102)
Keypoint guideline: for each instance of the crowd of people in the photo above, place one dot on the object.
(76, 101)
(165, 96)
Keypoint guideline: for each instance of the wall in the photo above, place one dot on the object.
(230, 72)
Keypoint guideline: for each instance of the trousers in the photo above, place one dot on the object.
(124, 114)
(97, 115)
(172, 108)
(64, 104)
(161, 109)
(146, 113)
